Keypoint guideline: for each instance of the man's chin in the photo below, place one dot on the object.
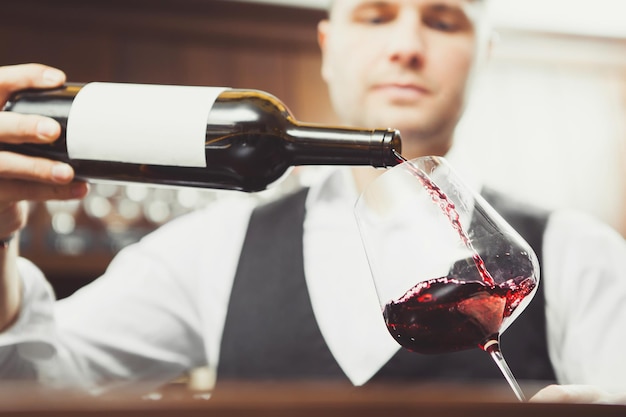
(407, 125)
(407, 117)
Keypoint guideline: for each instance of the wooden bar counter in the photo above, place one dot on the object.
(290, 400)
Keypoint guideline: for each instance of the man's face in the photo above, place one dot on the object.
(403, 64)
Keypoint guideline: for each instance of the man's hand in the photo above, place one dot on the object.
(578, 394)
(24, 177)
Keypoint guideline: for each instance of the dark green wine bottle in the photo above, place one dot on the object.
(191, 136)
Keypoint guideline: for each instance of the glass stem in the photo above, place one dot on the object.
(493, 348)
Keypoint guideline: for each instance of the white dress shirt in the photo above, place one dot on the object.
(160, 307)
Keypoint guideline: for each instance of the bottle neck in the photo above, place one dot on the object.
(321, 145)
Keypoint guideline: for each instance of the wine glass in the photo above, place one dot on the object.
(450, 273)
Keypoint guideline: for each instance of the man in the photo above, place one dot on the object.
(207, 288)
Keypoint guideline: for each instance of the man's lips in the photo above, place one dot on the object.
(402, 91)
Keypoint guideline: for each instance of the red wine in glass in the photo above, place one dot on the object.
(454, 313)
(446, 314)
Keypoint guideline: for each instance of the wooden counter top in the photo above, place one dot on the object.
(290, 400)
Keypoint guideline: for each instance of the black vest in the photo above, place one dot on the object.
(271, 333)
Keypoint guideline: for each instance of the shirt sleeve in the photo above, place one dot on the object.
(585, 288)
(31, 338)
(154, 314)
(138, 323)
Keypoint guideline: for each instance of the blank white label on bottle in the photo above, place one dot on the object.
(140, 123)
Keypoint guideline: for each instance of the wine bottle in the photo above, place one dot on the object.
(190, 136)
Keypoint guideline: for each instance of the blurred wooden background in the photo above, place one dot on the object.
(189, 42)
(192, 42)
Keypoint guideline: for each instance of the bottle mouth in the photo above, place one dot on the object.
(391, 149)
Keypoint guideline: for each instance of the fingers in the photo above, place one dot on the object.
(22, 167)
(23, 177)
(17, 128)
(22, 76)
(20, 128)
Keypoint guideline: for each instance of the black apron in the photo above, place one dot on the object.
(271, 333)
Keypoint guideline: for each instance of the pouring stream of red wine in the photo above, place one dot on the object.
(446, 314)
(448, 208)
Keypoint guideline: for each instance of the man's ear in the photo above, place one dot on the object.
(323, 29)
(322, 33)
(492, 43)
(486, 47)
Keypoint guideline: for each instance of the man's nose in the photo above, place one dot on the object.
(406, 41)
